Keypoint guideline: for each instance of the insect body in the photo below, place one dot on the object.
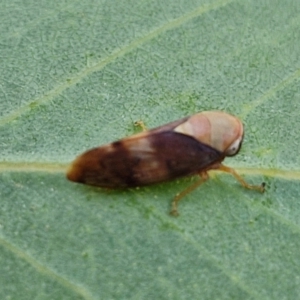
(192, 145)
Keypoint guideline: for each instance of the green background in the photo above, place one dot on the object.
(78, 74)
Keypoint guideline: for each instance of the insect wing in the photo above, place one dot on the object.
(143, 159)
(174, 155)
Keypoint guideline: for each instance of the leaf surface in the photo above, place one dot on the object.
(78, 74)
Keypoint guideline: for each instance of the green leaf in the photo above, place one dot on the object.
(78, 74)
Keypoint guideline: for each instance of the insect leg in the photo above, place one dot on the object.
(141, 124)
(179, 196)
(260, 188)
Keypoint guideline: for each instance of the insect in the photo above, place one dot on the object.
(192, 145)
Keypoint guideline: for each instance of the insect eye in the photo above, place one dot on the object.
(234, 147)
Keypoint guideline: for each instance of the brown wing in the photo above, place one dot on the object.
(146, 159)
